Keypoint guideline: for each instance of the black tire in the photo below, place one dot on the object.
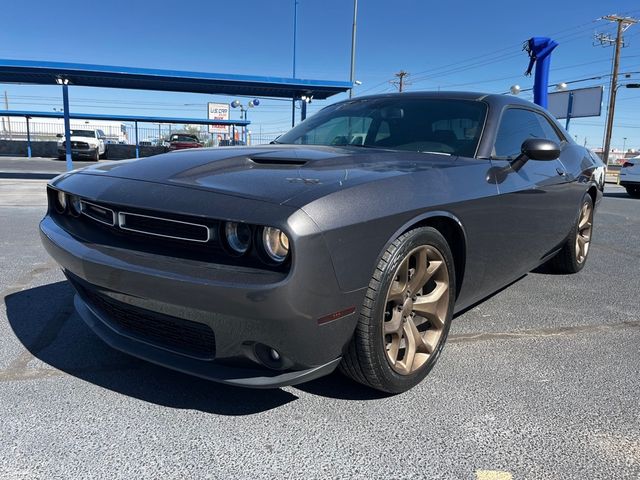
(96, 156)
(634, 192)
(62, 157)
(566, 260)
(365, 360)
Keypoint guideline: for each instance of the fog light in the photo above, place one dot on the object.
(274, 354)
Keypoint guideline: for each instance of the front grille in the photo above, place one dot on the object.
(176, 334)
(156, 232)
(98, 213)
(164, 227)
(79, 145)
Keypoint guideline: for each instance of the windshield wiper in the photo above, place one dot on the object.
(359, 145)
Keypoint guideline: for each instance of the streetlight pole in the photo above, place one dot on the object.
(243, 115)
(295, 31)
(353, 46)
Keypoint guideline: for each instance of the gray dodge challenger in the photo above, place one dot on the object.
(351, 241)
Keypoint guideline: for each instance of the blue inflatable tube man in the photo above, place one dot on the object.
(539, 50)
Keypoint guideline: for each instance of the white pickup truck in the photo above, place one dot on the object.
(84, 143)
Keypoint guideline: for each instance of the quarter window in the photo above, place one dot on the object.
(517, 125)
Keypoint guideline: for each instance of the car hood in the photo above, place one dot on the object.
(89, 140)
(272, 173)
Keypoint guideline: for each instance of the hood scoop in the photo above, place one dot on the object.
(278, 161)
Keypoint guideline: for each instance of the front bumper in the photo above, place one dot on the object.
(249, 311)
(242, 377)
(79, 152)
(629, 179)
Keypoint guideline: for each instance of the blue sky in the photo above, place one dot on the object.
(443, 45)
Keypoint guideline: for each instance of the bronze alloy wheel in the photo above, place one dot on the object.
(416, 309)
(406, 313)
(583, 237)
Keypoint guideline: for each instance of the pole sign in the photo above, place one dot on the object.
(585, 102)
(218, 111)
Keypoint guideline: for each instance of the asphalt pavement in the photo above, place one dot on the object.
(540, 381)
(36, 168)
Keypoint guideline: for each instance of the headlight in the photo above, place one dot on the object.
(75, 207)
(238, 236)
(276, 244)
(60, 202)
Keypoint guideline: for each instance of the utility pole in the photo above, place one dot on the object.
(353, 47)
(401, 82)
(623, 24)
(6, 107)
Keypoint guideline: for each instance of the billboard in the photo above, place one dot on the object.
(587, 102)
(218, 111)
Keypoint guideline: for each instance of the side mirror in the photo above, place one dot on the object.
(540, 149)
(536, 149)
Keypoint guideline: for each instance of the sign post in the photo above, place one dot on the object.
(218, 111)
(577, 103)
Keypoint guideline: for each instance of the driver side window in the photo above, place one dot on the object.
(517, 125)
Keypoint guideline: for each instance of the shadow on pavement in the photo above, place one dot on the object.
(28, 176)
(616, 194)
(338, 386)
(44, 320)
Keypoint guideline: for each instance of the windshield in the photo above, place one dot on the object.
(447, 126)
(83, 133)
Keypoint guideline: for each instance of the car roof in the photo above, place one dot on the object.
(494, 99)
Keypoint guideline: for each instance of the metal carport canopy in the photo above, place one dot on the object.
(50, 73)
(122, 118)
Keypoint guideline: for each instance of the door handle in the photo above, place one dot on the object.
(561, 171)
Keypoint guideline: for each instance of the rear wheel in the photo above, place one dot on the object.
(406, 315)
(633, 192)
(573, 256)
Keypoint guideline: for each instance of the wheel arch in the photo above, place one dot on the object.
(593, 193)
(451, 228)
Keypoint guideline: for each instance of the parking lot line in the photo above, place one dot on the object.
(493, 475)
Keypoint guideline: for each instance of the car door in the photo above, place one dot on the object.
(101, 136)
(533, 200)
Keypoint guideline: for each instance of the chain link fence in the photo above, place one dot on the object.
(15, 128)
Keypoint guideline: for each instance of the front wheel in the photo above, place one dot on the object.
(573, 255)
(634, 192)
(406, 314)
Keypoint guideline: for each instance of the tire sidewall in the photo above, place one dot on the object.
(574, 233)
(409, 241)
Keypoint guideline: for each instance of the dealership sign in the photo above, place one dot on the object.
(578, 103)
(218, 111)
